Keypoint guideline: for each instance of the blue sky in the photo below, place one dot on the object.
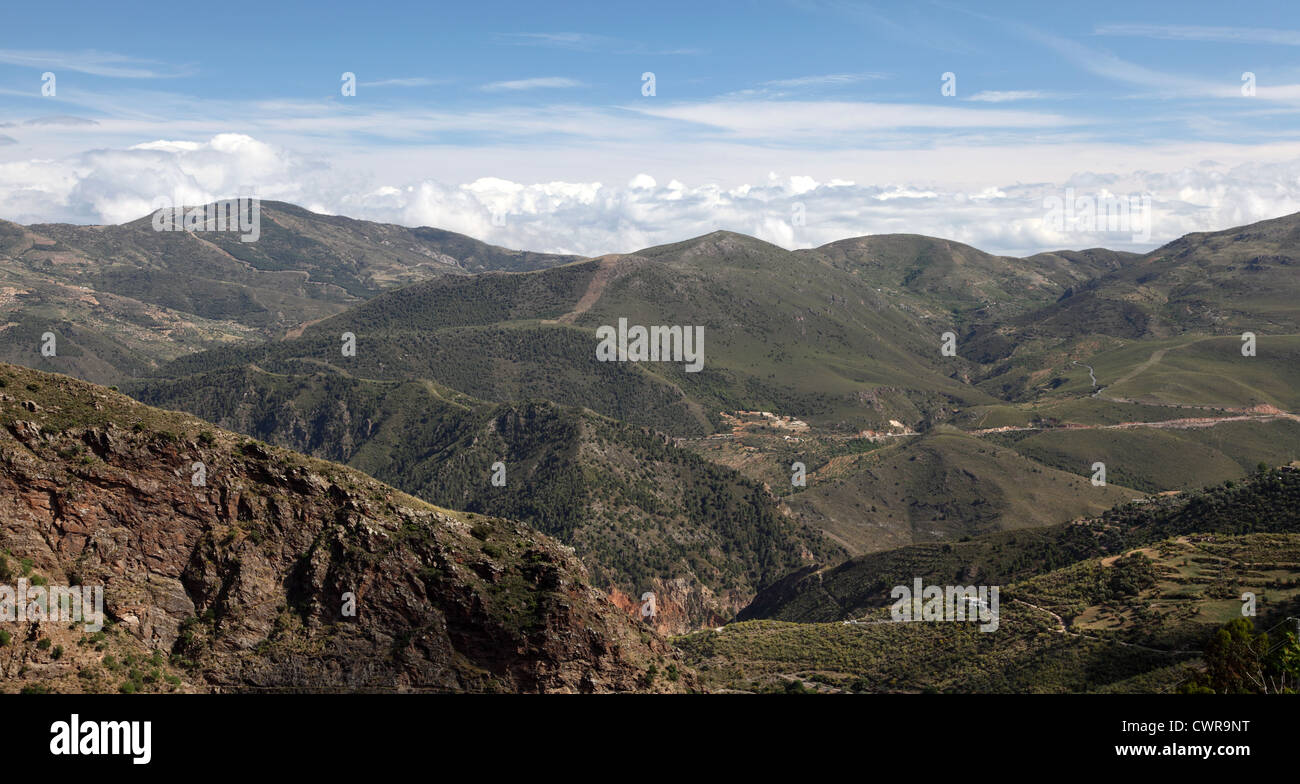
(526, 123)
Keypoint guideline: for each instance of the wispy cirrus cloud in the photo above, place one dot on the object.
(801, 85)
(809, 119)
(537, 83)
(586, 42)
(93, 62)
(1158, 83)
(824, 80)
(414, 81)
(1234, 35)
(1164, 84)
(580, 41)
(60, 119)
(1004, 96)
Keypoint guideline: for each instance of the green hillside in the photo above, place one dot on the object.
(1264, 504)
(124, 299)
(642, 513)
(1128, 602)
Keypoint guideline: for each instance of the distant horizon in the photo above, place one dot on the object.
(580, 128)
(1022, 254)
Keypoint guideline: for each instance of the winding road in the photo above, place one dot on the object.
(1096, 389)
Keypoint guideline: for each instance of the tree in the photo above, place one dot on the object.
(1240, 661)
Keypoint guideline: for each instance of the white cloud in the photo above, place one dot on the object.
(586, 42)
(1234, 35)
(540, 82)
(799, 86)
(824, 80)
(95, 63)
(412, 81)
(118, 185)
(60, 119)
(1164, 84)
(1002, 96)
(589, 217)
(829, 118)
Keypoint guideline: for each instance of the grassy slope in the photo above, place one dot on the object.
(945, 486)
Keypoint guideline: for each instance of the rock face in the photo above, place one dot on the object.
(231, 565)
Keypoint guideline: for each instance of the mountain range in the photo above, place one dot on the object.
(930, 394)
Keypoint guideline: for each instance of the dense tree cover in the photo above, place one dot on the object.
(638, 510)
(1241, 660)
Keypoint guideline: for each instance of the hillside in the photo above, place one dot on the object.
(1202, 285)
(241, 582)
(902, 444)
(942, 279)
(1265, 504)
(642, 513)
(1128, 602)
(780, 335)
(123, 299)
(681, 482)
(1228, 281)
(940, 487)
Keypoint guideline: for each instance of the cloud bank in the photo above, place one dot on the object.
(592, 217)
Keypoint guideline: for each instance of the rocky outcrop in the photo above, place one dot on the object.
(230, 565)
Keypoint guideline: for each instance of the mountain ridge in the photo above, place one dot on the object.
(275, 571)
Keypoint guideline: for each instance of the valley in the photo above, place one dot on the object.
(813, 440)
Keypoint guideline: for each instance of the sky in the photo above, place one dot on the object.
(596, 128)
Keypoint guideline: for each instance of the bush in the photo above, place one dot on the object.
(797, 687)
